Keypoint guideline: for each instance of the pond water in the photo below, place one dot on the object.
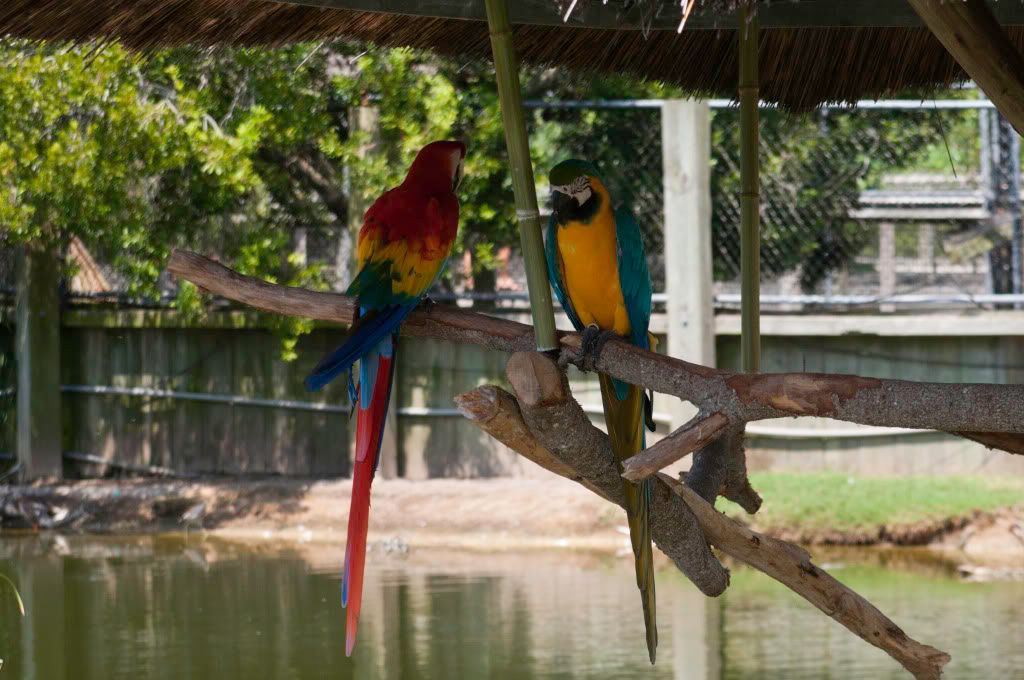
(161, 607)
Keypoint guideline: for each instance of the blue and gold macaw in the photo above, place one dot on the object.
(598, 270)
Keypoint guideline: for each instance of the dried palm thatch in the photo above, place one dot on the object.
(800, 67)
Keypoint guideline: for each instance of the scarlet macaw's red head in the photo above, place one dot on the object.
(438, 167)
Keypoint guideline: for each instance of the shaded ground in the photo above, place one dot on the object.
(966, 522)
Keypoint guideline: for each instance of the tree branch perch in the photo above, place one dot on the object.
(548, 426)
(992, 414)
(695, 434)
(497, 413)
(561, 427)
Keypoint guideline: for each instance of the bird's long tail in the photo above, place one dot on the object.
(624, 407)
(376, 371)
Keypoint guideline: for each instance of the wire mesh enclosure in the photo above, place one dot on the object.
(891, 202)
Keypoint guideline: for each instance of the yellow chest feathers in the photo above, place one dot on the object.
(590, 272)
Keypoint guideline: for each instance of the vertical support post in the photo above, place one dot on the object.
(37, 349)
(1017, 237)
(886, 264)
(750, 192)
(1006, 214)
(686, 154)
(506, 68)
(926, 245)
(389, 440)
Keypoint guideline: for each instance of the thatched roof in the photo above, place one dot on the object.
(801, 65)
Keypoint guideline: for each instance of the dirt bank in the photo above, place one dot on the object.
(495, 514)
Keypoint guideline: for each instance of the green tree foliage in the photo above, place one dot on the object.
(235, 152)
(230, 151)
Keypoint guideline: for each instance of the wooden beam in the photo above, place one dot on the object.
(972, 35)
(617, 14)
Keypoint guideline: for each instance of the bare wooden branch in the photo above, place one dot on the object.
(792, 566)
(558, 424)
(1005, 441)
(971, 33)
(684, 441)
(951, 407)
(720, 469)
(496, 412)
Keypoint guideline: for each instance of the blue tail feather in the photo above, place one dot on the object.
(367, 333)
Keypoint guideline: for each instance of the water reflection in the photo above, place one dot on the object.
(152, 608)
(767, 633)
(158, 608)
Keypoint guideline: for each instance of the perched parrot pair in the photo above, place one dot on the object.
(598, 270)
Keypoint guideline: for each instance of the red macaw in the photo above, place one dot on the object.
(405, 240)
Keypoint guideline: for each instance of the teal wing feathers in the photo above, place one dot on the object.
(634, 277)
(635, 282)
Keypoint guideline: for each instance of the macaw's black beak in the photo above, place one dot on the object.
(561, 203)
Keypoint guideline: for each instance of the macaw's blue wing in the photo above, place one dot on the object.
(634, 277)
(555, 273)
(635, 281)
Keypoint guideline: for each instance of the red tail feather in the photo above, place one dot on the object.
(369, 431)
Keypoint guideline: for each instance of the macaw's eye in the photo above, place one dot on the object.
(583, 195)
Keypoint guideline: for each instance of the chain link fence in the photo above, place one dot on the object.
(891, 202)
(895, 202)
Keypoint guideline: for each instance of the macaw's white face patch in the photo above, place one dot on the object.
(579, 189)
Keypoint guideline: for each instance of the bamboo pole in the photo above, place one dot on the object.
(750, 195)
(506, 68)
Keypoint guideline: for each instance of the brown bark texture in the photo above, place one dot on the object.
(548, 427)
(991, 414)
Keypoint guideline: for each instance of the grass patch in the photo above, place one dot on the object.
(820, 501)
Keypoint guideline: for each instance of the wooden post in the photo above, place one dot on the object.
(750, 193)
(886, 263)
(389, 439)
(506, 67)
(926, 245)
(686, 155)
(37, 350)
(972, 35)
